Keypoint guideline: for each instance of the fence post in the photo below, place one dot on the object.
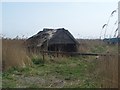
(43, 56)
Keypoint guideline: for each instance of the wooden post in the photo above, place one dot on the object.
(43, 56)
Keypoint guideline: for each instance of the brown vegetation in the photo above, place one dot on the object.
(0, 55)
(14, 54)
(107, 69)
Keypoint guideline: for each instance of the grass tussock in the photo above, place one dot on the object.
(14, 54)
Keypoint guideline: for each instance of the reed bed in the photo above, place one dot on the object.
(107, 68)
(14, 54)
(0, 55)
(108, 71)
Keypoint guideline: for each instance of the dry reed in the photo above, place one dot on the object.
(14, 54)
(0, 55)
(107, 69)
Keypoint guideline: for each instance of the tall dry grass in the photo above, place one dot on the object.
(86, 45)
(107, 69)
(0, 63)
(0, 55)
(14, 54)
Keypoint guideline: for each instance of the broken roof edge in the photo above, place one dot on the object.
(46, 30)
(50, 29)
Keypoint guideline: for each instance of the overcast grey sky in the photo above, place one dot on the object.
(82, 19)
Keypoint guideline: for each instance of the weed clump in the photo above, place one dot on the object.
(38, 60)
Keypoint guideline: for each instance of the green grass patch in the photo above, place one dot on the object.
(69, 70)
(37, 60)
(98, 49)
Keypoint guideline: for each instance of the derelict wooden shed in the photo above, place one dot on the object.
(53, 40)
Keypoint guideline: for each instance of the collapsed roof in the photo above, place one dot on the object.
(52, 36)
